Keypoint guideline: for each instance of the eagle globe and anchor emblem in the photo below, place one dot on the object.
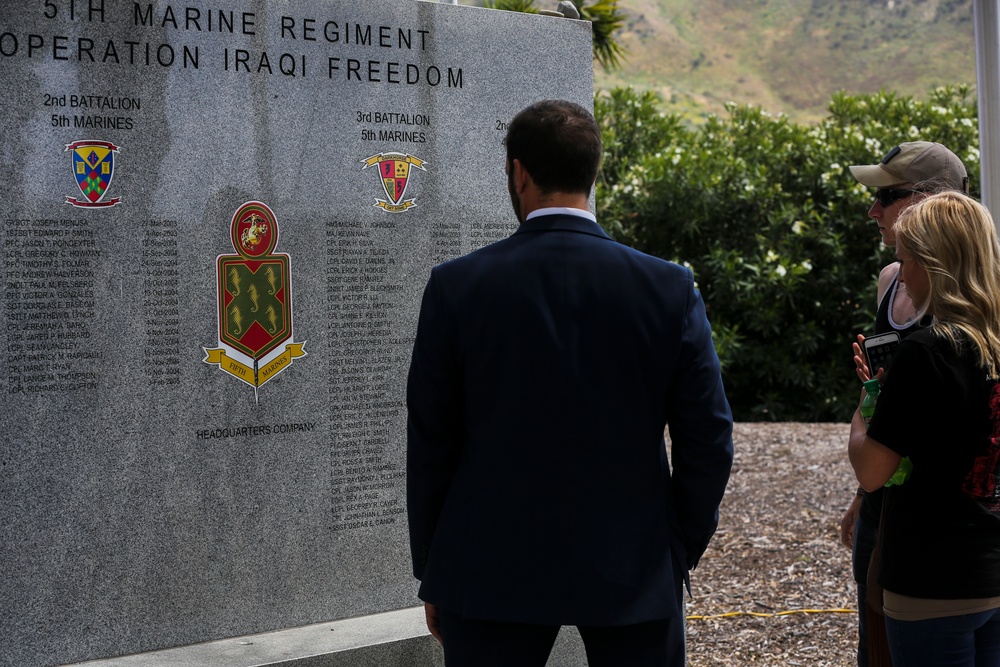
(256, 340)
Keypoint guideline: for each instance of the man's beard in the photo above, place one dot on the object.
(515, 200)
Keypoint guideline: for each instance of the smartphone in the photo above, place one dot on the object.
(879, 350)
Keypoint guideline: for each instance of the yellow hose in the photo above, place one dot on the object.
(777, 613)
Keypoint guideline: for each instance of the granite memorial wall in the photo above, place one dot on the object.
(218, 219)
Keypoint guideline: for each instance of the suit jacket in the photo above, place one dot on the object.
(544, 371)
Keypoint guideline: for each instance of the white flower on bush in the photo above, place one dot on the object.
(798, 227)
(835, 173)
(967, 122)
(780, 270)
(806, 265)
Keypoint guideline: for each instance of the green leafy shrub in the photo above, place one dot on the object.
(768, 216)
(606, 19)
(526, 6)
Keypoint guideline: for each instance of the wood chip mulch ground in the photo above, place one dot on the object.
(777, 550)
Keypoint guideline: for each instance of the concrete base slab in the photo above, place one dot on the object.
(389, 639)
(392, 639)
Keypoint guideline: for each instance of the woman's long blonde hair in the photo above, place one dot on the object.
(953, 238)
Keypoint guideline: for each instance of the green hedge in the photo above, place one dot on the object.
(776, 230)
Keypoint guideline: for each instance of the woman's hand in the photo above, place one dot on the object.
(847, 523)
(861, 361)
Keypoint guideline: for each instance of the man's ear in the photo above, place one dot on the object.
(521, 176)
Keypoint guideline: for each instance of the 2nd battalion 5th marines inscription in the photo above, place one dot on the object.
(91, 112)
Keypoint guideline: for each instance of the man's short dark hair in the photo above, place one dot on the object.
(558, 143)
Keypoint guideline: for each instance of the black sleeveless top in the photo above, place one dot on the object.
(883, 320)
(871, 504)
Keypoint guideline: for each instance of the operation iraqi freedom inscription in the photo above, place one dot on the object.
(154, 492)
(292, 31)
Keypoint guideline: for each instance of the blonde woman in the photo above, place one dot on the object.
(940, 407)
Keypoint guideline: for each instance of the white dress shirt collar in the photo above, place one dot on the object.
(579, 212)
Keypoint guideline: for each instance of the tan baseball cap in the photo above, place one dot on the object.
(926, 165)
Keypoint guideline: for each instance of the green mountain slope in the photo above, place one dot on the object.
(790, 56)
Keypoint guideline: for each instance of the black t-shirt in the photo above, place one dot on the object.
(938, 408)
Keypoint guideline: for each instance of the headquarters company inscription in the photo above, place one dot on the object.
(308, 41)
(246, 431)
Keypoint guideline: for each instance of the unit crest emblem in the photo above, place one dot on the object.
(93, 167)
(256, 339)
(394, 169)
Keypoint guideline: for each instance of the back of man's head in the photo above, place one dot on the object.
(923, 165)
(558, 143)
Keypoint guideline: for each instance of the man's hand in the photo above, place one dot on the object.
(847, 523)
(433, 624)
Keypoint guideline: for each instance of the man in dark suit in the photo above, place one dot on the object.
(545, 369)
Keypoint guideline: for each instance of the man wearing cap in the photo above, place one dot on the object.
(907, 173)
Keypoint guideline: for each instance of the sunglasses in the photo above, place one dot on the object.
(889, 196)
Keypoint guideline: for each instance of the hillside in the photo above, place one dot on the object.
(789, 55)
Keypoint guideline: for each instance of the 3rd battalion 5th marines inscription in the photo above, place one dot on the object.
(407, 127)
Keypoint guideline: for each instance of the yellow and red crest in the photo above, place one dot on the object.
(254, 301)
(93, 168)
(394, 168)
